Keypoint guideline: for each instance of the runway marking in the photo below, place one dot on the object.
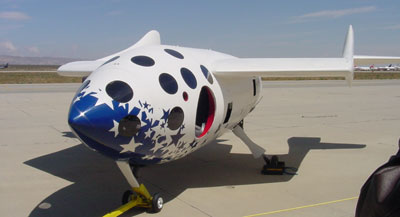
(302, 207)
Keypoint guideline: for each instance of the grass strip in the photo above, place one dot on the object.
(35, 78)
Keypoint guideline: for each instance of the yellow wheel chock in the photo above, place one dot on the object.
(142, 199)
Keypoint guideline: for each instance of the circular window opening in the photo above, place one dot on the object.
(174, 53)
(185, 96)
(129, 125)
(119, 91)
(189, 78)
(143, 61)
(207, 74)
(168, 83)
(175, 118)
(205, 112)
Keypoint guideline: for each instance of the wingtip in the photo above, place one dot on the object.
(348, 53)
(348, 48)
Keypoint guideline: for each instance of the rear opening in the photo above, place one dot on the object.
(205, 112)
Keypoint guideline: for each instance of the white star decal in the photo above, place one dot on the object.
(148, 157)
(148, 133)
(115, 128)
(103, 98)
(128, 148)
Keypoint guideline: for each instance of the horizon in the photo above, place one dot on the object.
(243, 29)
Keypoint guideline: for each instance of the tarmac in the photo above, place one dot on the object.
(335, 135)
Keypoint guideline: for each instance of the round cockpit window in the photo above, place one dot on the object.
(189, 78)
(143, 61)
(174, 53)
(175, 118)
(119, 91)
(207, 74)
(129, 125)
(168, 83)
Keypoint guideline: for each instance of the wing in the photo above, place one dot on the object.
(79, 68)
(369, 60)
(84, 68)
(299, 67)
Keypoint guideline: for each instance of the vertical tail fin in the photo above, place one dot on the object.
(348, 54)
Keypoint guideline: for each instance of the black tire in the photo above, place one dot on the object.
(157, 203)
(126, 197)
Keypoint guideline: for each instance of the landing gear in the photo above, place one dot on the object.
(255, 149)
(273, 166)
(157, 202)
(139, 196)
(127, 196)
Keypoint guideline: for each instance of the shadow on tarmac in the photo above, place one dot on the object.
(97, 184)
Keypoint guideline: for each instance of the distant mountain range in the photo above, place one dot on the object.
(18, 60)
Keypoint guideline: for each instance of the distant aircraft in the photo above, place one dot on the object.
(363, 68)
(4, 66)
(390, 67)
(153, 103)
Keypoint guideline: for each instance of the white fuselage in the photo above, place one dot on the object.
(168, 94)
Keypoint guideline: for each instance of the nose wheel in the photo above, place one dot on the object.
(157, 202)
(139, 196)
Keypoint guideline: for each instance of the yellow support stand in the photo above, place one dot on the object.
(142, 199)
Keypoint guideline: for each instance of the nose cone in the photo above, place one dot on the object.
(97, 120)
(79, 113)
(90, 120)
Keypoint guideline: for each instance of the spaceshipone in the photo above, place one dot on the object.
(153, 103)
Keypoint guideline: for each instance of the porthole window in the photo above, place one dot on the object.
(110, 60)
(129, 126)
(185, 96)
(189, 78)
(175, 118)
(207, 74)
(143, 61)
(174, 53)
(168, 83)
(119, 91)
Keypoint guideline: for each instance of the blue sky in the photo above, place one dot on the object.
(252, 28)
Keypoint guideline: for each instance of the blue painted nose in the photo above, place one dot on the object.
(92, 121)
(78, 118)
(101, 127)
(106, 125)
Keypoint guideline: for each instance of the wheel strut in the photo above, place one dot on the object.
(139, 196)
